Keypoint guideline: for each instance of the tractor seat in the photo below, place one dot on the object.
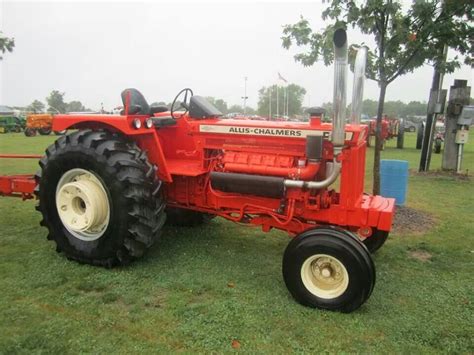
(138, 104)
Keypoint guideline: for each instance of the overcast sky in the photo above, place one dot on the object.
(92, 51)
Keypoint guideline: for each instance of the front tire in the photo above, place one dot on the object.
(30, 132)
(376, 240)
(100, 198)
(328, 268)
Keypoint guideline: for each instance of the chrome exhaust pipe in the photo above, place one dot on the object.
(339, 120)
(340, 79)
(358, 86)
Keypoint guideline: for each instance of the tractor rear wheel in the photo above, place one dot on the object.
(45, 131)
(375, 241)
(100, 198)
(181, 217)
(328, 268)
(60, 133)
(30, 132)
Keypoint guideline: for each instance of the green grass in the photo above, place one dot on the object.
(178, 297)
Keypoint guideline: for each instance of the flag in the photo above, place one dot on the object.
(282, 78)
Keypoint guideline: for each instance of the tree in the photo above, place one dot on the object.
(269, 94)
(75, 106)
(36, 107)
(220, 104)
(6, 44)
(405, 40)
(414, 108)
(56, 102)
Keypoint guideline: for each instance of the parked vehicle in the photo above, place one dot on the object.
(11, 124)
(409, 126)
(106, 189)
(40, 123)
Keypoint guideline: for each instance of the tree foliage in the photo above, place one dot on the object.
(35, 107)
(268, 95)
(220, 104)
(6, 44)
(75, 106)
(240, 109)
(56, 102)
(405, 40)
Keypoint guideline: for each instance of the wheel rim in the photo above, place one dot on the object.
(324, 276)
(82, 204)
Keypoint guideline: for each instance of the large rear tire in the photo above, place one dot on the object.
(100, 198)
(181, 217)
(328, 268)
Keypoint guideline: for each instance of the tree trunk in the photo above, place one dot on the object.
(378, 139)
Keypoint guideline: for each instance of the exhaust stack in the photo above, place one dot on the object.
(340, 79)
(358, 87)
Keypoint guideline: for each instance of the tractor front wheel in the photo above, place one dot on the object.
(376, 240)
(181, 217)
(100, 198)
(30, 132)
(328, 268)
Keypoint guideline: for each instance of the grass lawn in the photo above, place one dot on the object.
(202, 288)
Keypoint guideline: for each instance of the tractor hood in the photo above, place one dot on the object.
(294, 130)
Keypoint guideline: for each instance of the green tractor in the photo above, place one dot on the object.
(12, 124)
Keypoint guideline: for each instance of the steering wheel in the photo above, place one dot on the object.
(184, 103)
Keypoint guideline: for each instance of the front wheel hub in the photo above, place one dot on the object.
(82, 204)
(324, 276)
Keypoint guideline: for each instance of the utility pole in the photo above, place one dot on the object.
(245, 97)
(270, 103)
(435, 106)
(278, 111)
(459, 95)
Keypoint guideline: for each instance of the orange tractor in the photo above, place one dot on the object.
(40, 123)
(391, 128)
(106, 189)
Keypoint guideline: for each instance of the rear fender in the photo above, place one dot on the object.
(146, 138)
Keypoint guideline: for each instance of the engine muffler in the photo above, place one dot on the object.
(257, 185)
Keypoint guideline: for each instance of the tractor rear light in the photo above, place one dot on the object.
(149, 123)
(137, 123)
(301, 163)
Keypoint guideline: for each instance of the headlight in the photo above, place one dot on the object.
(137, 123)
(149, 123)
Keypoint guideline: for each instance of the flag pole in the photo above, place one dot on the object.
(278, 111)
(270, 103)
